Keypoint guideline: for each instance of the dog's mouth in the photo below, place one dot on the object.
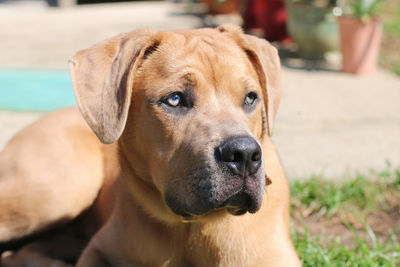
(202, 196)
(236, 205)
(239, 204)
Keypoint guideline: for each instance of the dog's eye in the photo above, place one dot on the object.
(250, 99)
(174, 100)
(177, 102)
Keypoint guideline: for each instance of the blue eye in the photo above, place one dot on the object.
(178, 101)
(250, 98)
(174, 100)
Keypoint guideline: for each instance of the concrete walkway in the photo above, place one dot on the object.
(328, 123)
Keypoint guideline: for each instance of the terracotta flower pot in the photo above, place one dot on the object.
(360, 44)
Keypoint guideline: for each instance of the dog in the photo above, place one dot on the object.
(168, 161)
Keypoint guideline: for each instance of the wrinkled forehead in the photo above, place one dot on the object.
(211, 55)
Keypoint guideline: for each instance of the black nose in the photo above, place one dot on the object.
(242, 155)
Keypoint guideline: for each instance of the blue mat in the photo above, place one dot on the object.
(35, 90)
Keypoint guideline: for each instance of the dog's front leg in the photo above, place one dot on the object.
(92, 257)
(52, 250)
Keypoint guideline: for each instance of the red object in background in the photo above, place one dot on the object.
(267, 16)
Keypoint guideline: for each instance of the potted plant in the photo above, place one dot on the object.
(312, 26)
(360, 36)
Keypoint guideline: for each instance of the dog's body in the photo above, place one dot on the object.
(187, 116)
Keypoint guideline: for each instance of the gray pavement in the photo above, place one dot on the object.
(333, 123)
(328, 123)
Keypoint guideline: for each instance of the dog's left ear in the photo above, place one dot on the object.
(265, 60)
(102, 77)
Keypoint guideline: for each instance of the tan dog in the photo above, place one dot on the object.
(188, 115)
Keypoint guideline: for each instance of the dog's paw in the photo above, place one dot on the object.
(6, 259)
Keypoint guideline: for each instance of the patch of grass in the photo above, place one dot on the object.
(390, 16)
(396, 69)
(327, 198)
(392, 28)
(354, 222)
(315, 252)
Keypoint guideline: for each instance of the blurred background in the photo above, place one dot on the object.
(338, 126)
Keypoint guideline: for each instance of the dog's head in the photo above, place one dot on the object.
(190, 110)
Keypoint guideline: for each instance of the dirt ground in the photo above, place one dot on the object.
(383, 221)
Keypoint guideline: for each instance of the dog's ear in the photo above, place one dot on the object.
(265, 60)
(102, 77)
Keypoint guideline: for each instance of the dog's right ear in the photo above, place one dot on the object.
(102, 77)
(265, 59)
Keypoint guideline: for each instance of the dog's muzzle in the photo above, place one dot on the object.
(235, 183)
(239, 204)
(242, 157)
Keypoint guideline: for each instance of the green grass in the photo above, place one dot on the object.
(362, 193)
(392, 27)
(355, 222)
(314, 252)
(390, 15)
